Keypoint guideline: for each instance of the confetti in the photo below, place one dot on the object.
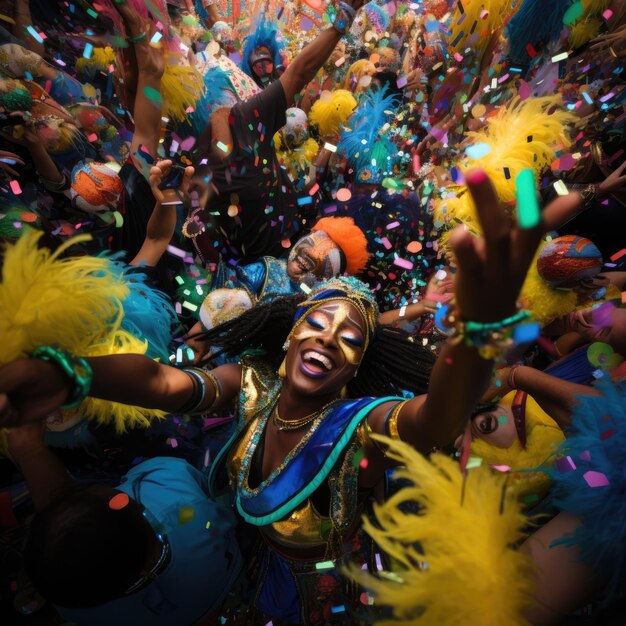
(15, 187)
(119, 501)
(186, 514)
(595, 479)
(528, 212)
(344, 194)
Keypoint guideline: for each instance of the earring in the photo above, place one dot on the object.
(356, 373)
(286, 344)
(282, 370)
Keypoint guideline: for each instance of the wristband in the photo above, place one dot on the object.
(343, 18)
(75, 368)
(510, 379)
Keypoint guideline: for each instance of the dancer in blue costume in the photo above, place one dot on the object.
(301, 464)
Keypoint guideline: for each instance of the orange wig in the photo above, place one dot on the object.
(350, 238)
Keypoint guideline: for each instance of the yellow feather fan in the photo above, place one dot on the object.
(332, 111)
(543, 435)
(470, 573)
(75, 303)
(473, 24)
(181, 87)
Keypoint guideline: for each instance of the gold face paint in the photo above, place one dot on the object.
(337, 318)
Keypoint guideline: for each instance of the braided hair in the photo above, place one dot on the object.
(392, 363)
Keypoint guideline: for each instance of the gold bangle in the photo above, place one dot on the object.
(391, 425)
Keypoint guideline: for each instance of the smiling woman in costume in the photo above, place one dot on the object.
(295, 463)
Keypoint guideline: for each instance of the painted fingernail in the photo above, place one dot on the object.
(476, 177)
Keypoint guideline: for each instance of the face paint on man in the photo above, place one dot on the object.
(315, 254)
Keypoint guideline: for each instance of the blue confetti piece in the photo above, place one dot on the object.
(87, 52)
(525, 333)
(478, 151)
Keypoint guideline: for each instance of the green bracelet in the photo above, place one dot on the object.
(75, 368)
(478, 327)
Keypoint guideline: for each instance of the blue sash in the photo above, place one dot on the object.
(303, 473)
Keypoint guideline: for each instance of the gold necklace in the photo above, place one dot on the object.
(282, 424)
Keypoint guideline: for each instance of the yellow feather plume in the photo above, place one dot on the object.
(40, 292)
(181, 87)
(524, 134)
(100, 59)
(477, 21)
(583, 31)
(593, 7)
(75, 303)
(470, 572)
(332, 111)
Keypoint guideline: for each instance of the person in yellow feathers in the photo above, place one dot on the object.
(519, 425)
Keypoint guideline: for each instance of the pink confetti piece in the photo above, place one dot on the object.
(595, 479)
(392, 225)
(401, 82)
(15, 187)
(501, 468)
(607, 15)
(585, 456)
(404, 263)
(458, 57)
(176, 252)
(386, 243)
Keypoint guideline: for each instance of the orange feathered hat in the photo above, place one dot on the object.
(350, 238)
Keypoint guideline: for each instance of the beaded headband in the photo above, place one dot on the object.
(348, 289)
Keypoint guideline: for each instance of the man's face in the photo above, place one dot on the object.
(263, 66)
(315, 254)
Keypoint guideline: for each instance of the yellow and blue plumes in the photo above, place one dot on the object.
(455, 557)
(76, 303)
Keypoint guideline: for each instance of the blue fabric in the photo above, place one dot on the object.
(204, 561)
(265, 280)
(304, 472)
(574, 368)
(279, 594)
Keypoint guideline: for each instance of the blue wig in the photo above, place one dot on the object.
(590, 482)
(264, 35)
(537, 23)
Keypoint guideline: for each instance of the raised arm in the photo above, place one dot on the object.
(491, 271)
(303, 68)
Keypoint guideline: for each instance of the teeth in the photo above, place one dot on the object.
(312, 355)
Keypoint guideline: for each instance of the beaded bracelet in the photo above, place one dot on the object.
(343, 18)
(490, 338)
(589, 194)
(75, 368)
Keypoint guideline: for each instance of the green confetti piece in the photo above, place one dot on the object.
(186, 514)
(502, 419)
(154, 96)
(474, 461)
(92, 13)
(358, 456)
(324, 566)
(528, 212)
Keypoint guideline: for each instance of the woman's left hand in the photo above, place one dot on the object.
(492, 268)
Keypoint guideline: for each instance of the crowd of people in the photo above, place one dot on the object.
(312, 312)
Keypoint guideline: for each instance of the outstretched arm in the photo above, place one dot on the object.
(491, 271)
(31, 389)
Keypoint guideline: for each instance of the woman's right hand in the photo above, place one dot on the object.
(30, 389)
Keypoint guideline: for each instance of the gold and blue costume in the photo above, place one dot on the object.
(288, 507)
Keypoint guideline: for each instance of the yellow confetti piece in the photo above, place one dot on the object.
(186, 515)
